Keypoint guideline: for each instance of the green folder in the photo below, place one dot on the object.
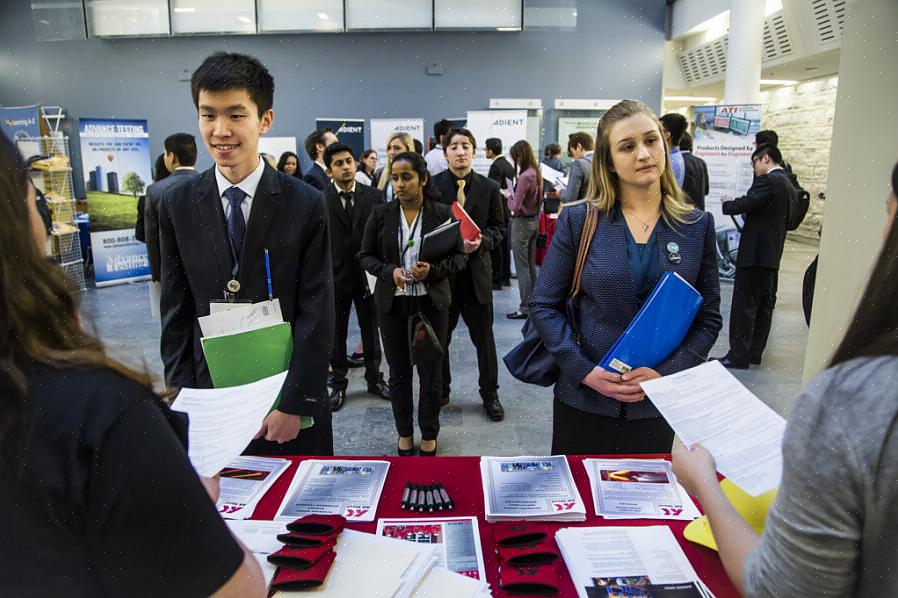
(250, 356)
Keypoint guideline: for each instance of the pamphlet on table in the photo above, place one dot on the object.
(707, 404)
(223, 421)
(456, 539)
(335, 487)
(530, 488)
(637, 489)
(628, 561)
(244, 482)
(260, 537)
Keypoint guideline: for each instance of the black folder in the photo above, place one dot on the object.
(440, 243)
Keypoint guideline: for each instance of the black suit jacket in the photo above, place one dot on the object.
(346, 236)
(289, 218)
(695, 179)
(483, 203)
(500, 170)
(151, 214)
(765, 207)
(380, 253)
(317, 177)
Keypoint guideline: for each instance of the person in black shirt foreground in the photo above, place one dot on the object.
(94, 475)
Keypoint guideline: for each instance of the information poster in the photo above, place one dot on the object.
(349, 131)
(568, 125)
(20, 122)
(382, 128)
(115, 156)
(508, 125)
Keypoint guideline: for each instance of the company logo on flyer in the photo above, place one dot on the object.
(355, 512)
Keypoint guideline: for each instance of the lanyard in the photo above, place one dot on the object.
(411, 240)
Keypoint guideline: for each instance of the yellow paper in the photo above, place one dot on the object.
(752, 509)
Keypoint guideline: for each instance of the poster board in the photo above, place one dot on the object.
(508, 125)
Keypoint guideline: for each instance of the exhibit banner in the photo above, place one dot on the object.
(349, 131)
(724, 138)
(382, 128)
(568, 125)
(508, 125)
(20, 122)
(115, 156)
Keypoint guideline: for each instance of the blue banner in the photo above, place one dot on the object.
(349, 131)
(20, 122)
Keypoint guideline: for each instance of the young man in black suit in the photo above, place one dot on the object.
(472, 294)
(349, 205)
(765, 207)
(501, 171)
(214, 231)
(695, 182)
(315, 145)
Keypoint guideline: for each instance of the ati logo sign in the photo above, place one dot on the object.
(565, 505)
(123, 263)
(347, 129)
(354, 512)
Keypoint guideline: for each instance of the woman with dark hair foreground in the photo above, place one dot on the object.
(831, 531)
(97, 496)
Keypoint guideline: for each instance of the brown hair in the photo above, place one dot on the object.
(523, 157)
(409, 144)
(38, 314)
(581, 138)
(604, 186)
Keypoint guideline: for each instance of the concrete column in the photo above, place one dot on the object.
(744, 51)
(864, 150)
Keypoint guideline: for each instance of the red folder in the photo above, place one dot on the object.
(469, 230)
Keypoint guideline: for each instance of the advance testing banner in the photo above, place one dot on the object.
(508, 125)
(115, 156)
(382, 128)
(349, 131)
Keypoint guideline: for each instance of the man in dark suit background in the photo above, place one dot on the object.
(501, 171)
(695, 181)
(472, 294)
(765, 208)
(214, 231)
(315, 145)
(180, 158)
(349, 205)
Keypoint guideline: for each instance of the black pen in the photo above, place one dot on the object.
(429, 495)
(445, 495)
(437, 500)
(422, 499)
(413, 497)
(408, 489)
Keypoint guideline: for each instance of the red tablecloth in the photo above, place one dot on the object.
(461, 478)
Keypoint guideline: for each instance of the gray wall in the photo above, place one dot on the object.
(616, 52)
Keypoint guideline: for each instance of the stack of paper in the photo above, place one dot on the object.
(442, 583)
(348, 488)
(637, 489)
(223, 421)
(628, 561)
(530, 489)
(260, 537)
(244, 482)
(707, 404)
(553, 176)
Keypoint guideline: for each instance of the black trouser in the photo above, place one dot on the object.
(576, 432)
(479, 319)
(394, 331)
(317, 440)
(751, 313)
(364, 310)
(501, 257)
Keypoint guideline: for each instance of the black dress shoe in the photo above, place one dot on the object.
(730, 364)
(406, 452)
(433, 453)
(494, 409)
(337, 398)
(516, 315)
(755, 361)
(356, 360)
(380, 389)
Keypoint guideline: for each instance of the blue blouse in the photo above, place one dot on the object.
(642, 259)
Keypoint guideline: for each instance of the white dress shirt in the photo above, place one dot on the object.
(340, 190)
(415, 289)
(247, 185)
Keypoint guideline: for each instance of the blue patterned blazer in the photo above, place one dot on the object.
(608, 302)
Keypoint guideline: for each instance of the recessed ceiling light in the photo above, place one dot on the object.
(185, 9)
(246, 20)
(322, 16)
(811, 69)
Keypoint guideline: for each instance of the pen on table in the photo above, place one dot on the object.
(413, 497)
(437, 500)
(429, 496)
(268, 275)
(422, 499)
(445, 496)
(405, 493)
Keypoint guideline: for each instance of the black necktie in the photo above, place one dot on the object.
(236, 222)
(346, 196)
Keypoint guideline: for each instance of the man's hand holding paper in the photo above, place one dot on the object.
(280, 427)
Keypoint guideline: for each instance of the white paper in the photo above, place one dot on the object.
(371, 279)
(260, 537)
(456, 540)
(627, 557)
(534, 488)
(553, 176)
(348, 488)
(442, 583)
(245, 317)
(637, 489)
(223, 421)
(155, 291)
(244, 481)
(707, 404)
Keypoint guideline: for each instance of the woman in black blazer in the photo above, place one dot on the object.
(644, 229)
(406, 285)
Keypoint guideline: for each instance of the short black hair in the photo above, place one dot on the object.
(676, 125)
(767, 137)
(686, 142)
(315, 138)
(552, 149)
(768, 150)
(494, 144)
(419, 147)
(334, 149)
(183, 146)
(160, 170)
(460, 131)
(440, 128)
(223, 71)
(581, 138)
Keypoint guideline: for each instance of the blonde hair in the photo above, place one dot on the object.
(409, 144)
(604, 186)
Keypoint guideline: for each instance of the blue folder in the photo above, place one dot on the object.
(658, 328)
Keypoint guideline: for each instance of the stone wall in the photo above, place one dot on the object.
(802, 116)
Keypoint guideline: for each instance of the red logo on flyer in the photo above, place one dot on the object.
(672, 512)
(354, 513)
(565, 505)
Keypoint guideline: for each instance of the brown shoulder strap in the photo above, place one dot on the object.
(586, 235)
